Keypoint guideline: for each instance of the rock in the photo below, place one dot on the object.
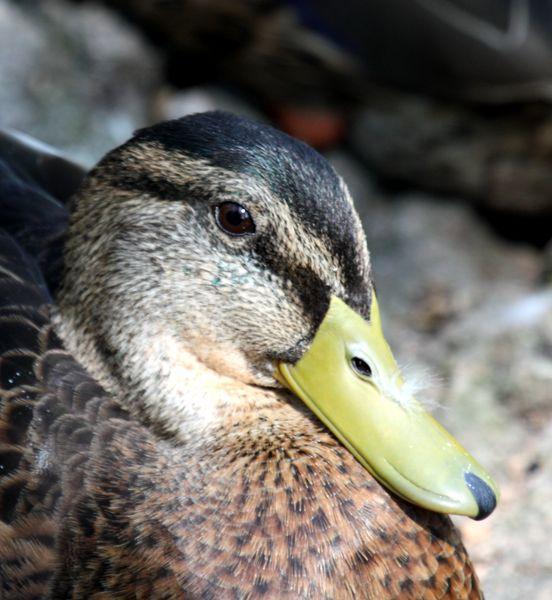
(512, 550)
(173, 104)
(75, 77)
(547, 275)
(475, 313)
(259, 46)
(497, 158)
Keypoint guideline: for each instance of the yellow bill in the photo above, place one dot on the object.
(351, 381)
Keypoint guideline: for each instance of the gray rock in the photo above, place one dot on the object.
(76, 77)
(254, 45)
(173, 104)
(499, 159)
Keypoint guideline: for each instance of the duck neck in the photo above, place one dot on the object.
(165, 380)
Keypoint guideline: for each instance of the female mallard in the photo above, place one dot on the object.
(152, 450)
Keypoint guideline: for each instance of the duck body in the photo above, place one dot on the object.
(248, 496)
(112, 511)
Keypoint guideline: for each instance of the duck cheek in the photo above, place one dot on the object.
(225, 358)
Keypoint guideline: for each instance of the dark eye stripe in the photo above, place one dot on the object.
(311, 290)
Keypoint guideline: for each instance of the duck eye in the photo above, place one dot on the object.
(234, 219)
(361, 367)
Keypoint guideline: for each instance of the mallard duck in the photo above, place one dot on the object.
(198, 400)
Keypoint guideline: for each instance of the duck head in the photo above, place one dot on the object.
(226, 242)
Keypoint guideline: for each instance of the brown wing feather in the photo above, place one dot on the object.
(54, 417)
(45, 429)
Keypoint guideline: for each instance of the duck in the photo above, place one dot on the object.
(196, 395)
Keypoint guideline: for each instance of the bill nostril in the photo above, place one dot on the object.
(483, 494)
(361, 367)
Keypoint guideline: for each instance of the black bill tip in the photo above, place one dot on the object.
(483, 494)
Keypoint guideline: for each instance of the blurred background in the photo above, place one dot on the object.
(438, 113)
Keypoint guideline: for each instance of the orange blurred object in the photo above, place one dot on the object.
(319, 127)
